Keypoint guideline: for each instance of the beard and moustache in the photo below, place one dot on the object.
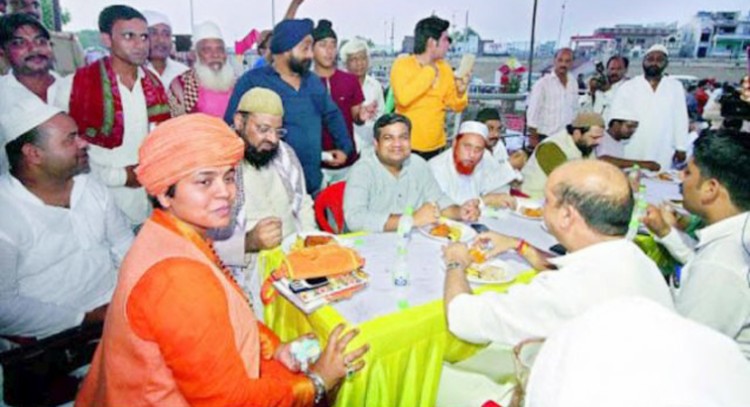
(299, 66)
(652, 71)
(259, 159)
(221, 80)
(585, 149)
(463, 169)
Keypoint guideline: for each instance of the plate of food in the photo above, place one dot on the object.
(300, 240)
(447, 230)
(493, 271)
(529, 209)
(666, 176)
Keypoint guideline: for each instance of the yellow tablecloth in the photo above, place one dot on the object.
(407, 348)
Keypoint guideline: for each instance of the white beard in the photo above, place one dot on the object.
(220, 81)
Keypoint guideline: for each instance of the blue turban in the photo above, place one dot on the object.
(289, 33)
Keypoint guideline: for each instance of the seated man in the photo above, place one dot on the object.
(272, 202)
(577, 141)
(61, 235)
(588, 205)
(611, 148)
(496, 145)
(467, 171)
(714, 289)
(390, 179)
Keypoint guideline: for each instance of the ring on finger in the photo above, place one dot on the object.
(349, 371)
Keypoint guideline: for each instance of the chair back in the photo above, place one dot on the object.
(331, 199)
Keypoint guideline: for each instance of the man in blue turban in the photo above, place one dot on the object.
(307, 104)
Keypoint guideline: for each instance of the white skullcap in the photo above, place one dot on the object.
(474, 127)
(206, 30)
(621, 112)
(352, 47)
(20, 111)
(154, 17)
(659, 48)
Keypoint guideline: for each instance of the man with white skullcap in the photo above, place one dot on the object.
(623, 124)
(61, 234)
(467, 172)
(207, 87)
(658, 103)
(160, 35)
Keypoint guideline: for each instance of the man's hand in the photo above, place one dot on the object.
(462, 85)
(651, 166)
(367, 112)
(518, 159)
(427, 214)
(339, 158)
(457, 253)
(500, 200)
(493, 243)
(132, 180)
(95, 315)
(679, 157)
(265, 235)
(470, 210)
(655, 222)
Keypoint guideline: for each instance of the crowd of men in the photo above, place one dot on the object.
(309, 115)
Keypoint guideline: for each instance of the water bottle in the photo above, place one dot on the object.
(639, 211)
(634, 177)
(400, 270)
(405, 223)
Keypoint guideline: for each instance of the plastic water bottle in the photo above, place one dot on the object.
(634, 176)
(400, 270)
(639, 211)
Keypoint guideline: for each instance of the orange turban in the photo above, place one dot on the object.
(180, 146)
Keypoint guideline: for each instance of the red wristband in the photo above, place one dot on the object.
(522, 245)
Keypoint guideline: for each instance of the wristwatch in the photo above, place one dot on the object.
(319, 384)
(454, 265)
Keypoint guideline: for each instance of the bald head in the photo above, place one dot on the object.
(599, 191)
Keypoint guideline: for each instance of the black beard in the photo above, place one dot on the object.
(300, 67)
(259, 159)
(584, 149)
(652, 71)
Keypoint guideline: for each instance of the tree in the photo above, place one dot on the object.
(48, 15)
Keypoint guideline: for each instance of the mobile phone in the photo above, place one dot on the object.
(298, 286)
(480, 228)
(558, 249)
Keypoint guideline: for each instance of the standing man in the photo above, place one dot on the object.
(356, 57)
(553, 102)
(345, 90)
(611, 148)
(390, 179)
(496, 145)
(658, 102)
(115, 101)
(715, 282)
(424, 86)
(575, 142)
(307, 104)
(207, 87)
(602, 89)
(160, 35)
(466, 171)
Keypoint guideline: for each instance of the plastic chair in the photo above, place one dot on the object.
(331, 199)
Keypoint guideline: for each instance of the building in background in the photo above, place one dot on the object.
(716, 34)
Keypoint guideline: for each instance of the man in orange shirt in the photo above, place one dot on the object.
(180, 331)
(424, 87)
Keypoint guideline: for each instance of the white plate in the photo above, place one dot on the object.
(467, 233)
(508, 276)
(287, 243)
(527, 203)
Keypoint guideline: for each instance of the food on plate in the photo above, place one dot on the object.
(317, 240)
(486, 272)
(452, 233)
(665, 176)
(531, 212)
(477, 255)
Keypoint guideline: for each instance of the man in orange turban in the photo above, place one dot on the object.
(180, 332)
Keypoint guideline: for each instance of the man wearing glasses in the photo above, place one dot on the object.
(271, 199)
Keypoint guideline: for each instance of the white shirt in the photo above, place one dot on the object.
(610, 147)
(373, 91)
(715, 286)
(500, 154)
(172, 70)
(552, 105)
(488, 177)
(590, 276)
(603, 101)
(662, 119)
(634, 352)
(57, 263)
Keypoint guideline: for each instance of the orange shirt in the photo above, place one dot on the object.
(423, 99)
(191, 343)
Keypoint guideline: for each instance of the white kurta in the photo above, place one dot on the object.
(633, 352)
(488, 177)
(602, 103)
(609, 147)
(585, 278)
(172, 70)
(57, 263)
(662, 119)
(373, 91)
(715, 287)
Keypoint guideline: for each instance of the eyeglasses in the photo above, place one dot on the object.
(267, 130)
